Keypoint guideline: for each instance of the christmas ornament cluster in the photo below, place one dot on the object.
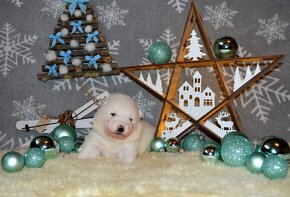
(43, 147)
(269, 156)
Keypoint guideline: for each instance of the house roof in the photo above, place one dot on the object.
(185, 84)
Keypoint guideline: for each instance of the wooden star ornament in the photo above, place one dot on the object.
(201, 92)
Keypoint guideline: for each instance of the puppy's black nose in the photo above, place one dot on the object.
(120, 129)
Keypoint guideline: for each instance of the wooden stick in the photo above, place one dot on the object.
(83, 67)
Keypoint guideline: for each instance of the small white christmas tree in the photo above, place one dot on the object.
(237, 79)
(194, 48)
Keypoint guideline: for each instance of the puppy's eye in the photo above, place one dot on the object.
(131, 119)
(113, 114)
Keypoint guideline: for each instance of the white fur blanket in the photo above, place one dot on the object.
(153, 174)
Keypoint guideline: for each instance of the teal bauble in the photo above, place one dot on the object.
(235, 150)
(273, 145)
(173, 145)
(212, 143)
(34, 158)
(275, 167)
(159, 53)
(192, 142)
(78, 144)
(254, 162)
(64, 130)
(12, 162)
(210, 154)
(225, 47)
(158, 145)
(66, 144)
(47, 144)
(233, 133)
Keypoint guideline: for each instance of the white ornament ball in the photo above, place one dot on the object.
(77, 13)
(106, 67)
(74, 44)
(64, 17)
(76, 62)
(64, 32)
(63, 69)
(50, 56)
(90, 47)
(89, 18)
(88, 29)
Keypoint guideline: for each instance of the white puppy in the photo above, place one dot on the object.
(118, 131)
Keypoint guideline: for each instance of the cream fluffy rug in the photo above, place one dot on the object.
(153, 174)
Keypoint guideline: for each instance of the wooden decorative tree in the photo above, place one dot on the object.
(77, 48)
(182, 98)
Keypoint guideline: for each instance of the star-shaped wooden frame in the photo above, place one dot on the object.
(169, 103)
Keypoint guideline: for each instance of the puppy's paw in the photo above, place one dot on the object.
(89, 152)
(127, 155)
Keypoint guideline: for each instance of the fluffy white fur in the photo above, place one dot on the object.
(118, 131)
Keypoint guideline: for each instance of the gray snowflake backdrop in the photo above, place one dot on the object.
(260, 27)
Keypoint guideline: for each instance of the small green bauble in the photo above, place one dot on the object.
(173, 145)
(275, 167)
(159, 53)
(158, 145)
(225, 47)
(212, 143)
(34, 158)
(192, 142)
(47, 144)
(254, 162)
(12, 162)
(235, 150)
(78, 144)
(64, 130)
(66, 144)
(210, 154)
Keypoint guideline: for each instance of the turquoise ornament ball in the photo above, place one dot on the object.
(254, 162)
(173, 145)
(210, 154)
(158, 144)
(275, 167)
(159, 53)
(235, 150)
(47, 144)
(192, 142)
(66, 144)
(212, 143)
(12, 161)
(34, 158)
(233, 133)
(64, 130)
(225, 47)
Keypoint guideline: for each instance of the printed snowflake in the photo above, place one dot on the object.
(17, 3)
(178, 5)
(94, 86)
(29, 109)
(13, 49)
(289, 125)
(220, 16)
(145, 105)
(112, 15)
(272, 29)
(14, 142)
(54, 7)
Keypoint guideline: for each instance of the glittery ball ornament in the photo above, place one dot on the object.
(34, 158)
(47, 144)
(159, 53)
(158, 145)
(225, 47)
(12, 161)
(275, 167)
(66, 144)
(173, 145)
(272, 145)
(254, 162)
(210, 154)
(235, 150)
(231, 134)
(192, 142)
(64, 130)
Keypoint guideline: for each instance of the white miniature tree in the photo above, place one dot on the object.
(237, 80)
(194, 48)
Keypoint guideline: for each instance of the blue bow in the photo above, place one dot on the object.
(52, 70)
(92, 60)
(66, 56)
(92, 36)
(55, 38)
(74, 3)
(76, 26)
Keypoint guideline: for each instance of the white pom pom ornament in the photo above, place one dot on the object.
(76, 62)
(106, 67)
(88, 29)
(63, 69)
(64, 17)
(64, 32)
(89, 18)
(50, 56)
(90, 47)
(74, 44)
(77, 13)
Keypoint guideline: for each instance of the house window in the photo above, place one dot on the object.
(185, 103)
(196, 102)
(207, 102)
(185, 88)
(197, 80)
(181, 96)
(190, 96)
(197, 89)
